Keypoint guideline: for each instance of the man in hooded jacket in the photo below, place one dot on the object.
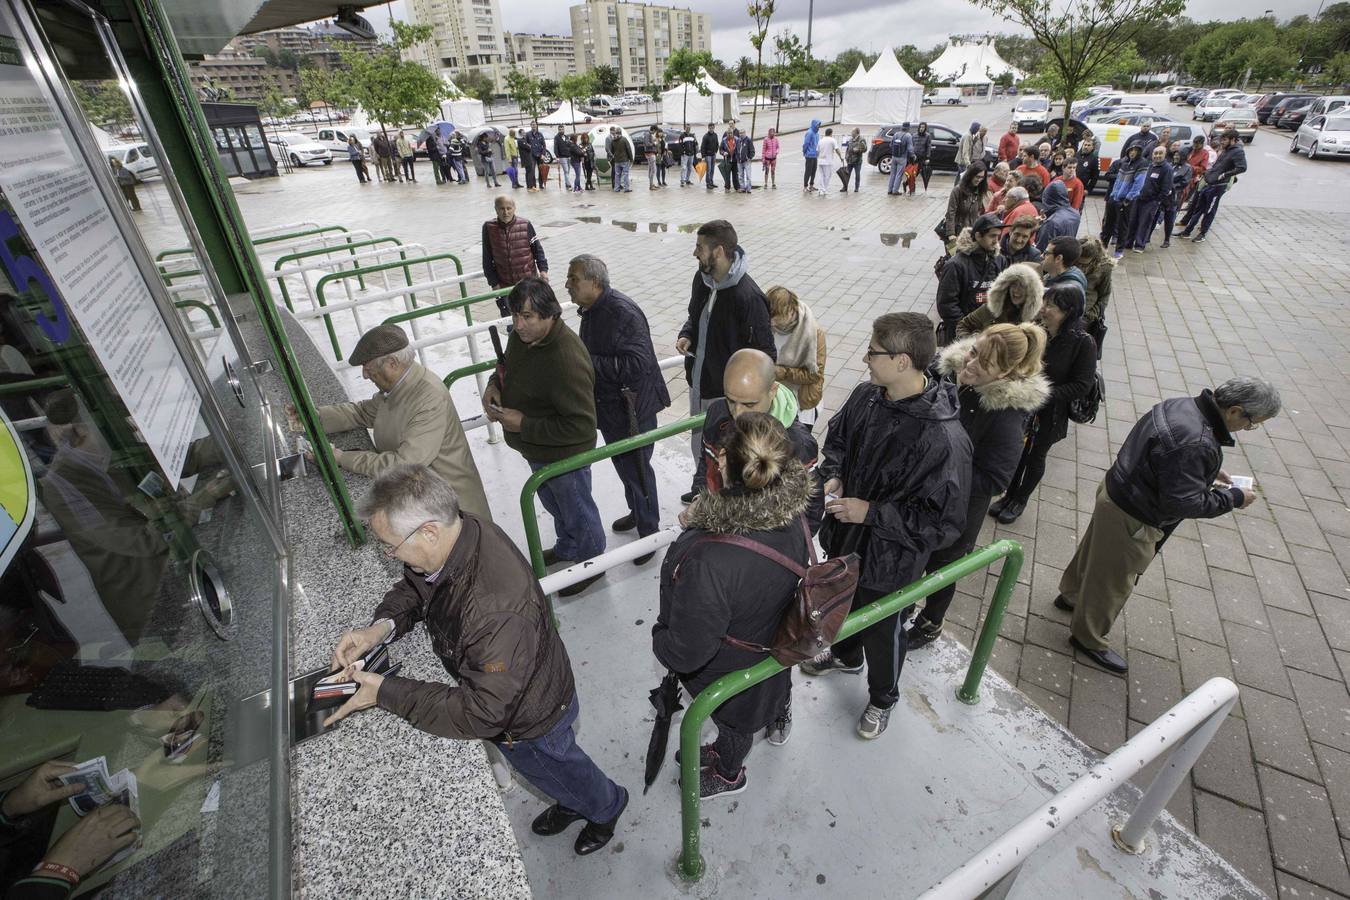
(1129, 181)
(897, 465)
(970, 273)
(727, 311)
(810, 152)
(1060, 216)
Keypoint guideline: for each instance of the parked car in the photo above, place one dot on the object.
(1196, 96)
(135, 158)
(602, 105)
(1324, 136)
(335, 139)
(1112, 113)
(1211, 108)
(301, 150)
(1178, 93)
(948, 95)
(943, 156)
(1324, 106)
(1094, 101)
(1271, 102)
(1031, 113)
(1241, 119)
(1295, 113)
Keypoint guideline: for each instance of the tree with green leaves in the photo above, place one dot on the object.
(274, 105)
(548, 88)
(478, 85)
(744, 66)
(761, 12)
(104, 103)
(1123, 66)
(1081, 37)
(607, 78)
(574, 88)
(524, 90)
(684, 67)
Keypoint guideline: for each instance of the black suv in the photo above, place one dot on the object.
(1270, 101)
(943, 155)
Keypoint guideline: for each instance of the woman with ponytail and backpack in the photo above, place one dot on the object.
(999, 385)
(720, 602)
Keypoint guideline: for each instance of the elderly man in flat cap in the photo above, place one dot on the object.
(412, 417)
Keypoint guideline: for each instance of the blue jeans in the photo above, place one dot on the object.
(576, 520)
(458, 165)
(687, 170)
(555, 765)
(711, 163)
(621, 176)
(639, 480)
(743, 174)
(576, 173)
(489, 172)
(895, 183)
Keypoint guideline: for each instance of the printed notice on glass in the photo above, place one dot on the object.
(84, 265)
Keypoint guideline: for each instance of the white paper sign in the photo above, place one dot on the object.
(93, 278)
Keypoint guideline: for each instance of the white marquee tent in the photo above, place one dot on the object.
(461, 109)
(885, 94)
(972, 63)
(858, 77)
(721, 105)
(565, 115)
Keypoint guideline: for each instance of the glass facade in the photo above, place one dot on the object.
(142, 555)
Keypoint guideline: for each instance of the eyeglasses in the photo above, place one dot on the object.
(871, 353)
(391, 552)
(1252, 424)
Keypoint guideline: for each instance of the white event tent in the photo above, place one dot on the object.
(565, 115)
(885, 94)
(968, 63)
(463, 110)
(722, 104)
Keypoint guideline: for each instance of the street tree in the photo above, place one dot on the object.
(607, 79)
(1081, 37)
(524, 90)
(574, 88)
(548, 88)
(761, 12)
(391, 90)
(684, 67)
(104, 103)
(478, 85)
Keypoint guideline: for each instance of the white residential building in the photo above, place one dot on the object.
(542, 55)
(635, 38)
(466, 36)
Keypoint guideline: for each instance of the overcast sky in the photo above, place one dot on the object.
(840, 24)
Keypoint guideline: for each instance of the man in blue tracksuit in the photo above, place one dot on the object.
(810, 150)
(902, 150)
(1231, 163)
(1127, 185)
(1155, 191)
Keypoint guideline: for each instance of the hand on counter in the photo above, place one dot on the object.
(364, 698)
(94, 839)
(40, 788)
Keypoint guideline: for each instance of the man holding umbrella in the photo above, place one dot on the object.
(629, 389)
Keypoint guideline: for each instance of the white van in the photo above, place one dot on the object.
(948, 95)
(1324, 105)
(135, 158)
(602, 105)
(335, 139)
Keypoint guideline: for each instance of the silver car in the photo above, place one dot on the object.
(1241, 119)
(1323, 136)
(1212, 107)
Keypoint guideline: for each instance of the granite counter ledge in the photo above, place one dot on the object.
(379, 808)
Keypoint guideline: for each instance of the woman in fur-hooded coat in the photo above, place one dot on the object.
(1015, 297)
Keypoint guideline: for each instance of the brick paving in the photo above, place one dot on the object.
(1260, 597)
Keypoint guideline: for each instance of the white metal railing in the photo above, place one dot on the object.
(353, 258)
(1186, 730)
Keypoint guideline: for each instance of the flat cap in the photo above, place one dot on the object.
(987, 222)
(62, 407)
(378, 341)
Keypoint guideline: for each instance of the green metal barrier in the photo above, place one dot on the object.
(691, 865)
(197, 304)
(463, 303)
(466, 371)
(270, 239)
(361, 271)
(350, 246)
(33, 384)
(579, 461)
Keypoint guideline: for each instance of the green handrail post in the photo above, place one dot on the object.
(580, 461)
(197, 304)
(32, 384)
(360, 271)
(691, 865)
(463, 302)
(350, 246)
(486, 365)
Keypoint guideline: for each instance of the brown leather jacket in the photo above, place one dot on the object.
(489, 624)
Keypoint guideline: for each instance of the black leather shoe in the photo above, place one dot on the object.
(627, 523)
(687, 498)
(1011, 510)
(580, 586)
(554, 820)
(1108, 659)
(551, 557)
(597, 834)
(643, 559)
(997, 506)
(1062, 602)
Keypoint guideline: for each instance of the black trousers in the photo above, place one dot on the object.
(1030, 469)
(409, 167)
(1169, 219)
(527, 161)
(639, 480)
(732, 748)
(1143, 221)
(1109, 216)
(935, 607)
(1204, 207)
(810, 176)
(436, 169)
(360, 168)
(1124, 219)
(882, 647)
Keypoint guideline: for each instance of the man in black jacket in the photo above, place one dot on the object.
(708, 150)
(727, 311)
(748, 386)
(970, 273)
(563, 155)
(897, 465)
(1170, 468)
(1148, 205)
(1231, 163)
(629, 389)
(532, 150)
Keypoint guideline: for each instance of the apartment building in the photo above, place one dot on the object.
(542, 55)
(466, 36)
(635, 38)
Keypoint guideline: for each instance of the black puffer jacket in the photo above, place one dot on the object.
(739, 319)
(910, 459)
(966, 281)
(995, 417)
(1166, 468)
(1071, 368)
(615, 332)
(717, 427)
(923, 144)
(711, 591)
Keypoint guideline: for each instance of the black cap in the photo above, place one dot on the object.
(62, 407)
(378, 341)
(987, 222)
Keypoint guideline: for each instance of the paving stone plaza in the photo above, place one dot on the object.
(1260, 596)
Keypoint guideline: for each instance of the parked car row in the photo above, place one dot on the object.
(1324, 136)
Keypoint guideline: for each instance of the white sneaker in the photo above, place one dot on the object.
(873, 722)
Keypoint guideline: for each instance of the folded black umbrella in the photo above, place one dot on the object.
(666, 700)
